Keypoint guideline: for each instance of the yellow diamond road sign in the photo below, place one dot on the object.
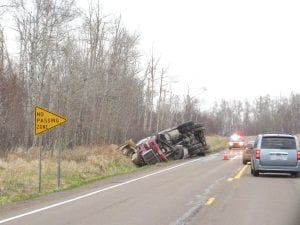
(45, 120)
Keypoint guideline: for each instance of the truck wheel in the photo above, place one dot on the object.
(198, 127)
(195, 149)
(179, 153)
(185, 127)
(136, 159)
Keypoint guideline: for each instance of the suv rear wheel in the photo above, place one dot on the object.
(255, 173)
(295, 174)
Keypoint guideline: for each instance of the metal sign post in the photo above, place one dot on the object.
(60, 148)
(45, 120)
(40, 169)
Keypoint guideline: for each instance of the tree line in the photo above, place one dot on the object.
(88, 67)
(264, 114)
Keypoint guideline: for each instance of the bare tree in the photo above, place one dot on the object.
(41, 27)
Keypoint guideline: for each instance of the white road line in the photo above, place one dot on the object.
(96, 192)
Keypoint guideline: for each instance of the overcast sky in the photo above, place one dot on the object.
(235, 49)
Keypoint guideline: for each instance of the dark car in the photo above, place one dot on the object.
(247, 152)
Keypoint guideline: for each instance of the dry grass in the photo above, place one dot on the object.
(19, 170)
(216, 143)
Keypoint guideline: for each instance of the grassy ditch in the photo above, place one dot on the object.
(19, 171)
(216, 143)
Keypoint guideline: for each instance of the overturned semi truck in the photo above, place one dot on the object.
(183, 141)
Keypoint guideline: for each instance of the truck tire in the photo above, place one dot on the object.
(137, 160)
(179, 153)
(195, 149)
(185, 127)
(198, 127)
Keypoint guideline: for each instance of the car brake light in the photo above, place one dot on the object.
(257, 154)
(298, 155)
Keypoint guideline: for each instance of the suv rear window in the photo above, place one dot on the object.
(278, 143)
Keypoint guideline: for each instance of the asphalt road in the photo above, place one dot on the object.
(202, 191)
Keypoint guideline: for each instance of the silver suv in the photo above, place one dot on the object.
(275, 153)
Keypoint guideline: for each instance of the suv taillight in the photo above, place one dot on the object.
(298, 155)
(257, 154)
